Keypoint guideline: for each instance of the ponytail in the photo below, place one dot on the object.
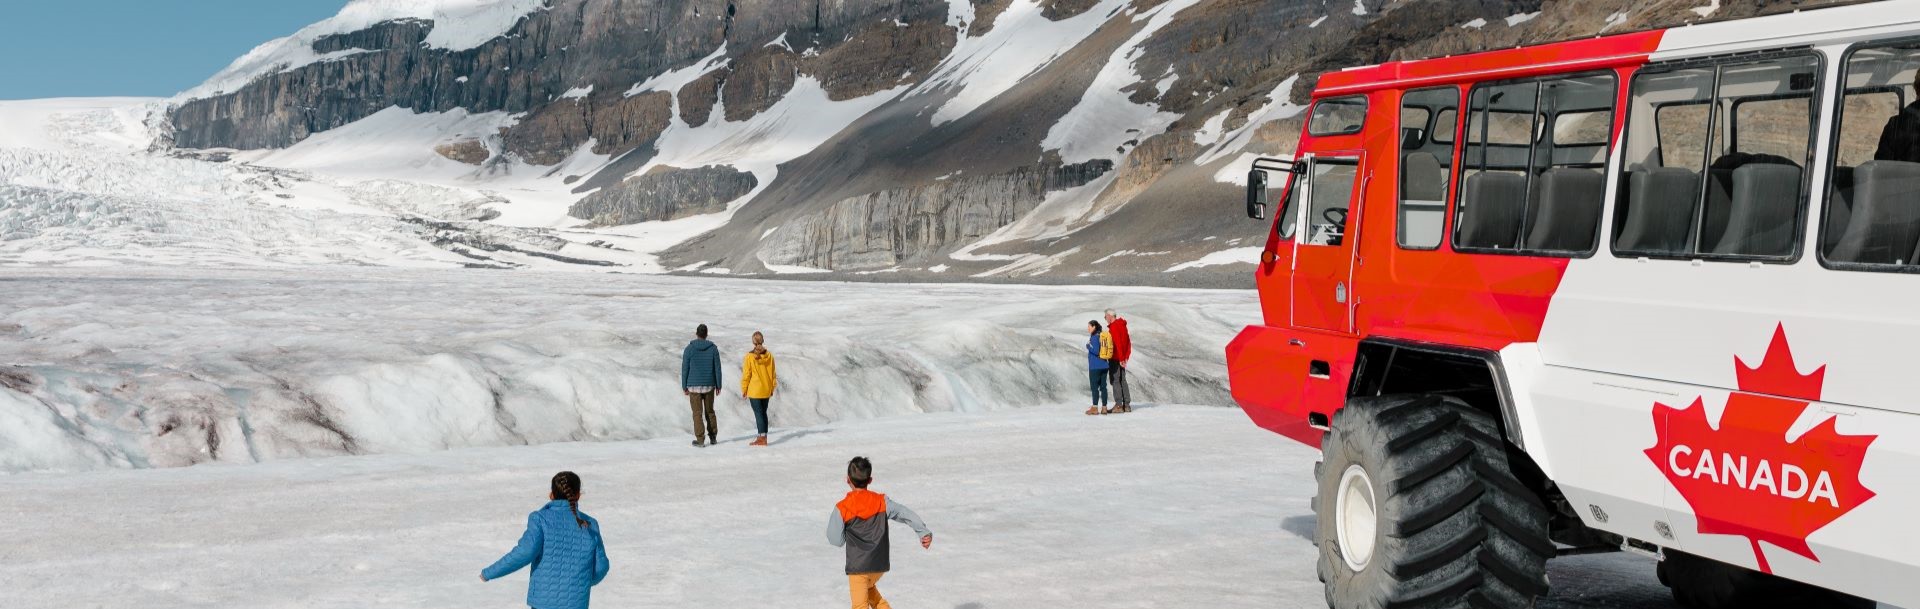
(566, 485)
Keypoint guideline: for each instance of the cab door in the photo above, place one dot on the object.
(1323, 254)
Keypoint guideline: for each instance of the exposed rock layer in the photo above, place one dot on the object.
(667, 193)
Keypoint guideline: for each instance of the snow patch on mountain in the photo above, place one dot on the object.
(1279, 106)
(1021, 42)
(1104, 120)
(458, 25)
(1238, 255)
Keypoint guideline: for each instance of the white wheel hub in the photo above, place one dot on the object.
(1356, 517)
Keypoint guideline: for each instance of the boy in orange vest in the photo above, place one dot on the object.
(859, 523)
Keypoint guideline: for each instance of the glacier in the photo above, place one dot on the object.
(156, 367)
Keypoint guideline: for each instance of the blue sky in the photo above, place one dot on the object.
(88, 48)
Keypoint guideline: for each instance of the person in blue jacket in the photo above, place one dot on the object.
(564, 547)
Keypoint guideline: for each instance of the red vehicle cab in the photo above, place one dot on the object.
(1651, 291)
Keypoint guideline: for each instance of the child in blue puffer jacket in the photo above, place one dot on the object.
(564, 547)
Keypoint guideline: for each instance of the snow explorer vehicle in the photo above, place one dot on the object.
(1656, 291)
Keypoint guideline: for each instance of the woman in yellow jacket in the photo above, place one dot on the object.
(757, 381)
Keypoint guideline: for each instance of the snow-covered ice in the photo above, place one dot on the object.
(156, 368)
(1172, 506)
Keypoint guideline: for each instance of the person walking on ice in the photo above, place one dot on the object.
(757, 382)
(1117, 365)
(859, 523)
(1099, 350)
(700, 381)
(563, 545)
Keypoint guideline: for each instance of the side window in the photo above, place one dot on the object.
(1288, 221)
(1532, 172)
(1333, 183)
(1338, 116)
(1426, 166)
(1445, 125)
(1872, 218)
(1716, 161)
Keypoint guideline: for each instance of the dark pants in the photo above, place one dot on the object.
(759, 413)
(1121, 397)
(704, 425)
(1098, 378)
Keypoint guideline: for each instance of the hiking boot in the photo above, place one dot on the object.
(1094, 410)
(698, 444)
(713, 441)
(762, 441)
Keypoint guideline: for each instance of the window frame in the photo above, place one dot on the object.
(1453, 148)
(1342, 100)
(1833, 160)
(1719, 64)
(1542, 134)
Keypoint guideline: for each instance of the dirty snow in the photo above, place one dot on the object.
(1477, 23)
(577, 92)
(1708, 10)
(1317, 22)
(1519, 18)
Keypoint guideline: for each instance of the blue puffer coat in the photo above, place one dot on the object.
(568, 561)
(700, 365)
(1094, 362)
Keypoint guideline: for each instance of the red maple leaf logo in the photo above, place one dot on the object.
(1745, 476)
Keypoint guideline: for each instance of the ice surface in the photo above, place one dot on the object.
(156, 368)
(458, 25)
(1037, 508)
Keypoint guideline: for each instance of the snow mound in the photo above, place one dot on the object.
(458, 25)
(154, 368)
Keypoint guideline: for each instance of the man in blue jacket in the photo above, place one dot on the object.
(700, 381)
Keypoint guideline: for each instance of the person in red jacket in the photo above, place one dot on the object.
(1117, 373)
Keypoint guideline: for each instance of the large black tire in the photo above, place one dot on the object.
(1702, 583)
(1455, 528)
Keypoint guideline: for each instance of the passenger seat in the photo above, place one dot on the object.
(1659, 210)
(1884, 227)
(1761, 215)
(1568, 210)
(1491, 205)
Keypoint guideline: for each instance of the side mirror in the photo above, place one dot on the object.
(1257, 194)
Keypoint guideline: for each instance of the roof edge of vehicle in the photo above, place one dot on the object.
(1732, 35)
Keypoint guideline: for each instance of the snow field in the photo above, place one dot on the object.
(157, 368)
(1171, 506)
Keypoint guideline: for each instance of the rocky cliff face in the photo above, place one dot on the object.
(895, 226)
(666, 193)
(840, 116)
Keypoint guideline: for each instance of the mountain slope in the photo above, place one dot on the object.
(1029, 140)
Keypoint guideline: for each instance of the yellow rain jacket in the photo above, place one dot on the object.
(757, 377)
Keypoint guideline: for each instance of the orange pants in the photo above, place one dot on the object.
(866, 593)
